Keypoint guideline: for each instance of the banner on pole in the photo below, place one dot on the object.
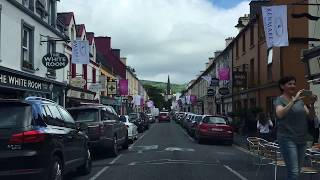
(80, 52)
(275, 25)
(224, 74)
(123, 87)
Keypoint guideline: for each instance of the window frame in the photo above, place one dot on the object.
(51, 13)
(0, 29)
(30, 28)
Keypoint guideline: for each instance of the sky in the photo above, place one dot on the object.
(161, 37)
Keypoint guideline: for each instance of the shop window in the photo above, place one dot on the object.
(51, 48)
(27, 43)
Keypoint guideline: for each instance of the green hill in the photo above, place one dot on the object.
(161, 85)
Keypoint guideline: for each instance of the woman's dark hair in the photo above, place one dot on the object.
(284, 80)
(262, 118)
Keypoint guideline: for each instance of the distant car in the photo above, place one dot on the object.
(40, 139)
(145, 119)
(136, 119)
(151, 118)
(105, 131)
(193, 124)
(132, 128)
(214, 128)
(164, 117)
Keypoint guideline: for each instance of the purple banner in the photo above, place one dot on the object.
(193, 99)
(123, 87)
(224, 74)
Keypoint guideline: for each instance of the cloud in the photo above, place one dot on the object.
(160, 37)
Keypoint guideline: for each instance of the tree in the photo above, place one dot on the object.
(155, 94)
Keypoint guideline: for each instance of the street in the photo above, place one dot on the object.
(167, 152)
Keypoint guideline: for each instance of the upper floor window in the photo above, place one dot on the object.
(52, 13)
(28, 4)
(72, 33)
(252, 72)
(27, 44)
(244, 42)
(41, 8)
(251, 35)
(237, 49)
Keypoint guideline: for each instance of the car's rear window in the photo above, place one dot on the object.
(214, 120)
(123, 119)
(198, 118)
(14, 115)
(84, 115)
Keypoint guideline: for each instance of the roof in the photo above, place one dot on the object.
(90, 36)
(80, 28)
(65, 17)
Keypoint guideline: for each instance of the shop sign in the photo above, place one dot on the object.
(95, 87)
(211, 91)
(240, 79)
(112, 88)
(8, 79)
(80, 95)
(55, 60)
(214, 82)
(78, 82)
(224, 91)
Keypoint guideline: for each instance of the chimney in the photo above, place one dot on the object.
(116, 52)
(228, 40)
(124, 60)
(255, 7)
(242, 22)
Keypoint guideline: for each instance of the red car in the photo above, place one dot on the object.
(164, 117)
(214, 128)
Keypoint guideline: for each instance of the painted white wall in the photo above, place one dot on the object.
(11, 41)
(314, 26)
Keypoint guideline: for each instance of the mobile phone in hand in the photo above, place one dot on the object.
(306, 93)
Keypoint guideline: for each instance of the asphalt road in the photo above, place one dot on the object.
(166, 152)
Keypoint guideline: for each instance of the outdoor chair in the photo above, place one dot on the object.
(255, 149)
(311, 167)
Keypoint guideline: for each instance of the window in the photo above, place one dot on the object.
(51, 48)
(41, 8)
(67, 118)
(27, 43)
(252, 35)
(53, 116)
(28, 4)
(244, 42)
(72, 33)
(252, 72)
(52, 13)
(237, 49)
(269, 72)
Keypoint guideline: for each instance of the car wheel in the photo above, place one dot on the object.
(114, 148)
(55, 169)
(126, 143)
(86, 167)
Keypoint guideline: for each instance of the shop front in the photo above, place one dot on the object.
(19, 85)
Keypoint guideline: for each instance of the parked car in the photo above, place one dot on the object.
(105, 131)
(214, 128)
(164, 117)
(151, 118)
(193, 124)
(145, 119)
(186, 120)
(40, 139)
(136, 119)
(132, 128)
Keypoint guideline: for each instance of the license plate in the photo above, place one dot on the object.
(216, 129)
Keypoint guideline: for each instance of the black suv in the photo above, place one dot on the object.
(105, 130)
(39, 138)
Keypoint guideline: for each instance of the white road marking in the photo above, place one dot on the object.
(179, 149)
(105, 168)
(235, 173)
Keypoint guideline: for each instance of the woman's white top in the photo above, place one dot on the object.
(264, 128)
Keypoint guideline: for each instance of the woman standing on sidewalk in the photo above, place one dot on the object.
(292, 125)
(263, 125)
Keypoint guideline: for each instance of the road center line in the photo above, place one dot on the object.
(235, 173)
(105, 168)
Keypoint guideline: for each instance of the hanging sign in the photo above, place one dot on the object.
(240, 79)
(78, 82)
(211, 91)
(112, 88)
(123, 87)
(95, 87)
(214, 82)
(80, 52)
(275, 25)
(224, 91)
(55, 60)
